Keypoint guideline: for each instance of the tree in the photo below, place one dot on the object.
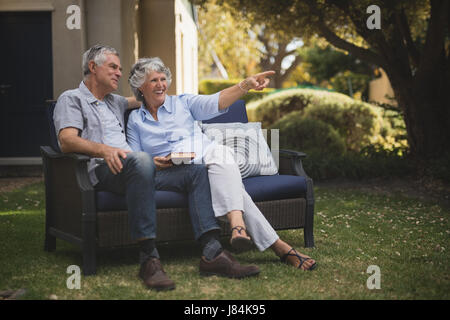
(228, 38)
(275, 48)
(412, 46)
(328, 66)
(242, 48)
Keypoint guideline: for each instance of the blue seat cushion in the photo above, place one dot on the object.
(260, 188)
(276, 187)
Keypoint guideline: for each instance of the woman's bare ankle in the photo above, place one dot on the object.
(237, 224)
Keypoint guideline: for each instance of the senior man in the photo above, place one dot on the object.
(90, 120)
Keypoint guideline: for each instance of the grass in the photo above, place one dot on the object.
(407, 238)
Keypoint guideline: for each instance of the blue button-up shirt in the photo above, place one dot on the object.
(177, 129)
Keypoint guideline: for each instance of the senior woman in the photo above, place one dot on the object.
(165, 124)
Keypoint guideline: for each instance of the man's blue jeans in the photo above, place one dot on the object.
(138, 181)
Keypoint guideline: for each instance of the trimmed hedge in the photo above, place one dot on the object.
(310, 134)
(360, 124)
(343, 137)
(210, 86)
(357, 123)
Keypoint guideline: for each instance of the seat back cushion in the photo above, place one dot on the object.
(236, 113)
(251, 152)
(50, 108)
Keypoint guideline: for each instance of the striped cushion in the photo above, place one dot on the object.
(252, 154)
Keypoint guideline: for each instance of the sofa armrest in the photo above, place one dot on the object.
(292, 153)
(291, 163)
(49, 152)
(66, 166)
(70, 196)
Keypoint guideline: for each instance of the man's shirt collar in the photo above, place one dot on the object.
(88, 94)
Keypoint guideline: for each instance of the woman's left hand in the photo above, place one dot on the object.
(258, 81)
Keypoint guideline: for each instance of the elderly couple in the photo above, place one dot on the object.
(90, 120)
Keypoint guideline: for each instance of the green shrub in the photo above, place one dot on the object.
(359, 123)
(276, 108)
(359, 82)
(343, 137)
(273, 107)
(253, 95)
(307, 134)
(211, 86)
(353, 165)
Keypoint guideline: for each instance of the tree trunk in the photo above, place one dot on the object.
(425, 105)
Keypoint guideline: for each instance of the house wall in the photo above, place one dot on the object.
(113, 23)
(136, 28)
(157, 34)
(168, 31)
(67, 45)
(186, 50)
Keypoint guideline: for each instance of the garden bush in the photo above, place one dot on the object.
(210, 86)
(274, 106)
(359, 82)
(328, 156)
(359, 123)
(343, 137)
(310, 134)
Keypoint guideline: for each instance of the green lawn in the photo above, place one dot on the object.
(406, 238)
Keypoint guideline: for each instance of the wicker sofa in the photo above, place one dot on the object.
(77, 213)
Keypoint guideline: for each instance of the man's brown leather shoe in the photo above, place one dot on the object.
(226, 265)
(154, 276)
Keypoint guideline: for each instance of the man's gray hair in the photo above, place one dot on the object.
(141, 69)
(97, 54)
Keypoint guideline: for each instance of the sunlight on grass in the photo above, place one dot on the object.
(408, 239)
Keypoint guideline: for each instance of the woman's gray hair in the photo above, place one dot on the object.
(141, 69)
(97, 54)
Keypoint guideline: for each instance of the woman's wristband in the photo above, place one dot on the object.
(243, 85)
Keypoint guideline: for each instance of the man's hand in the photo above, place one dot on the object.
(162, 163)
(112, 157)
(133, 103)
(71, 142)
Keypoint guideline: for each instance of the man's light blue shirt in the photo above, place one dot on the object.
(177, 129)
(113, 133)
(80, 109)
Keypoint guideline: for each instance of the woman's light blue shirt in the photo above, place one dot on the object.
(177, 129)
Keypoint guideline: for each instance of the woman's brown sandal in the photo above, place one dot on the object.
(300, 258)
(240, 243)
